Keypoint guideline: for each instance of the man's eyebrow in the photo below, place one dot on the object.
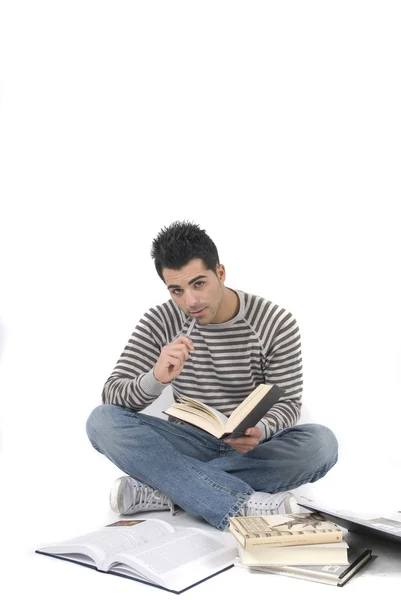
(189, 282)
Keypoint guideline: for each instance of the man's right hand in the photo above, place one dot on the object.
(172, 358)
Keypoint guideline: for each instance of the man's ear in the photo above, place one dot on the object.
(221, 273)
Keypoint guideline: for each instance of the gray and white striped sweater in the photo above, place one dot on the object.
(261, 344)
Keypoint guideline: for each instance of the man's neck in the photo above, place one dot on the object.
(229, 307)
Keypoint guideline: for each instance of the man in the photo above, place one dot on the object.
(239, 341)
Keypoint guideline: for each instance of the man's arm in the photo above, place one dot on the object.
(283, 366)
(132, 383)
(146, 366)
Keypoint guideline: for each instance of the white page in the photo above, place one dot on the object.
(129, 571)
(103, 543)
(186, 557)
(201, 408)
(386, 521)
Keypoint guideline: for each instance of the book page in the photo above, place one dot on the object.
(207, 415)
(204, 408)
(118, 537)
(186, 557)
(249, 402)
(385, 522)
(315, 554)
(204, 420)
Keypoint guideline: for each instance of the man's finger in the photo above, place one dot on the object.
(254, 432)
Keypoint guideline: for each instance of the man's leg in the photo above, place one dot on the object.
(291, 458)
(173, 458)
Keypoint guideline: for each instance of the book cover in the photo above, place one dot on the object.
(380, 526)
(309, 554)
(284, 530)
(245, 416)
(330, 574)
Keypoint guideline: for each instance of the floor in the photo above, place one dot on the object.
(55, 486)
(74, 511)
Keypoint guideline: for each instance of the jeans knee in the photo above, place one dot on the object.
(326, 445)
(106, 422)
(99, 423)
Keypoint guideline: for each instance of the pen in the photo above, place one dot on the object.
(190, 328)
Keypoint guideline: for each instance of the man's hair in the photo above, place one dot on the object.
(179, 243)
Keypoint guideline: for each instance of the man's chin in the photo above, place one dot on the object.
(202, 316)
(202, 320)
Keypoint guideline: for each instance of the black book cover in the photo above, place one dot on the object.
(357, 558)
(259, 411)
(381, 527)
(83, 564)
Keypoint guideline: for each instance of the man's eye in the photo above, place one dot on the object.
(177, 292)
(199, 284)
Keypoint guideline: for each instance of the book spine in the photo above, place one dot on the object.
(324, 537)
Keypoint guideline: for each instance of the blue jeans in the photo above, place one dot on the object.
(206, 477)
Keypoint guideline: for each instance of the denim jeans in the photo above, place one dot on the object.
(206, 477)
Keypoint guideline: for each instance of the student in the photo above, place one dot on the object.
(238, 341)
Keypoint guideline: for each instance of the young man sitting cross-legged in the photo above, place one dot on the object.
(239, 341)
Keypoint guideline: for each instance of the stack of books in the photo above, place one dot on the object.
(305, 545)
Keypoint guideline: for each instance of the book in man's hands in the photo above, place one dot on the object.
(150, 551)
(273, 531)
(247, 414)
(330, 574)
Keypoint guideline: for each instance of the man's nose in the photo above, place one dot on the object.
(191, 300)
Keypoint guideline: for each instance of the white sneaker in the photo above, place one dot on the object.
(129, 496)
(262, 503)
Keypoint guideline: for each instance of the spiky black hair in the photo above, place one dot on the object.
(179, 243)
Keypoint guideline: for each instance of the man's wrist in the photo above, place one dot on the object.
(151, 385)
(263, 427)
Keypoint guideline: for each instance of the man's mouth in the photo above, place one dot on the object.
(199, 313)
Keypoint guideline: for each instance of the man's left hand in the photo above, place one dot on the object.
(247, 442)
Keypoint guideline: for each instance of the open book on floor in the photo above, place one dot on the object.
(330, 574)
(150, 551)
(373, 524)
(247, 414)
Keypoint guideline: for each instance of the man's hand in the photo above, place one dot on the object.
(247, 442)
(172, 358)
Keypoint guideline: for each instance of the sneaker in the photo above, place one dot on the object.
(129, 496)
(262, 503)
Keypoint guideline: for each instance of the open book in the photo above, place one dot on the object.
(372, 524)
(150, 551)
(247, 414)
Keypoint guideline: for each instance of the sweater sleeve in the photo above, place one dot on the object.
(283, 366)
(132, 384)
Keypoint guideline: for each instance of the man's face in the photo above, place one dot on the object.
(197, 291)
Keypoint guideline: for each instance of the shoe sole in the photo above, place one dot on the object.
(117, 495)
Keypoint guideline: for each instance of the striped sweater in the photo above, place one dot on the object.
(261, 344)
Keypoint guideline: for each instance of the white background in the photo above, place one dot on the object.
(275, 126)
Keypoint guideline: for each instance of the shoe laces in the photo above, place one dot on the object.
(145, 496)
(261, 505)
